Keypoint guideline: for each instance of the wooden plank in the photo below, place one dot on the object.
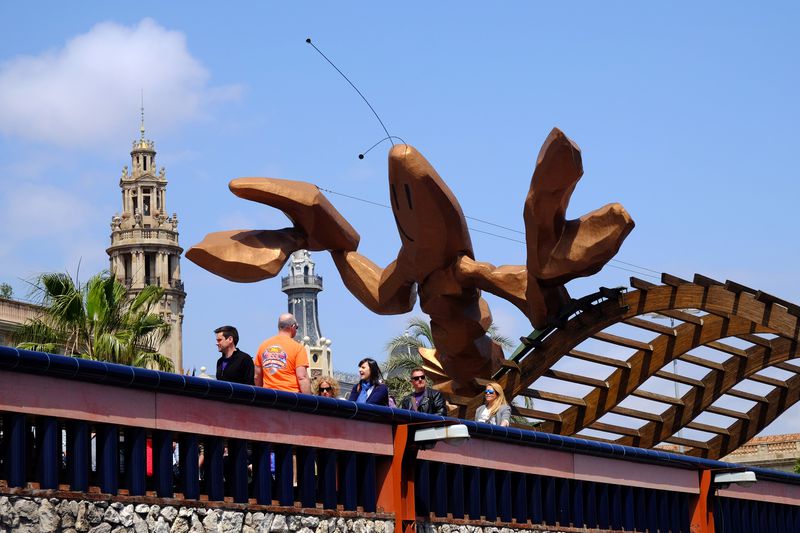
(727, 348)
(769, 381)
(687, 442)
(671, 400)
(576, 378)
(553, 397)
(763, 297)
(635, 413)
(600, 359)
(755, 339)
(680, 379)
(738, 287)
(651, 326)
(508, 363)
(641, 284)
(746, 395)
(623, 341)
(707, 428)
(535, 413)
(612, 428)
(683, 317)
(673, 281)
(699, 361)
(789, 367)
(726, 412)
(705, 281)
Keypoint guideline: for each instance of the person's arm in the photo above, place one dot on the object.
(438, 404)
(504, 415)
(380, 395)
(248, 370)
(258, 381)
(302, 379)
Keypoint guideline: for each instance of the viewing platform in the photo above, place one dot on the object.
(73, 427)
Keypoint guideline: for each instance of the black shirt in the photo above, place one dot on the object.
(240, 368)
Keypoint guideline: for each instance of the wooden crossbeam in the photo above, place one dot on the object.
(746, 395)
(657, 397)
(769, 381)
(652, 326)
(535, 413)
(755, 339)
(622, 341)
(726, 412)
(635, 413)
(611, 428)
(793, 309)
(690, 443)
(683, 317)
(707, 428)
(789, 367)
(705, 281)
(727, 348)
(576, 378)
(673, 281)
(738, 287)
(553, 397)
(641, 284)
(699, 361)
(686, 380)
(599, 359)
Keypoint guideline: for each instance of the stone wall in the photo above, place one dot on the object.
(54, 515)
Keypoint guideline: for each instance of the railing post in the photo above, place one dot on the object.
(49, 445)
(189, 452)
(136, 461)
(701, 506)
(108, 458)
(162, 452)
(327, 477)
(284, 474)
(78, 455)
(262, 475)
(215, 485)
(402, 476)
(237, 461)
(16, 450)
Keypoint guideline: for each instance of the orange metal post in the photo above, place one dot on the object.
(402, 479)
(702, 505)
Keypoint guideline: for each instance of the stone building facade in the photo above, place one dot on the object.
(144, 241)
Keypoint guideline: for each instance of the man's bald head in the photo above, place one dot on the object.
(287, 322)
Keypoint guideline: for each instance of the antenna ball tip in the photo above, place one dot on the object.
(308, 40)
(361, 156)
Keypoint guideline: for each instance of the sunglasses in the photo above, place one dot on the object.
(489, 391)
(418, 378)
(325, 389)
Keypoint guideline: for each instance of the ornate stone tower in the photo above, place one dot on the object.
(302, 286)
(144, 240)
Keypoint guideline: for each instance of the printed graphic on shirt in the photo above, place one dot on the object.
(274, 359)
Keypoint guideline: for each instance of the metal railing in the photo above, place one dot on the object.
(308, 455)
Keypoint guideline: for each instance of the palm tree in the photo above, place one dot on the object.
(404, 355)
(98, 320)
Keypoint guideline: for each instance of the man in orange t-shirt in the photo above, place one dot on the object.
(281, 363)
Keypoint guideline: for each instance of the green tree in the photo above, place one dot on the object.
(404, 355)
(97, 321)
(6, 291)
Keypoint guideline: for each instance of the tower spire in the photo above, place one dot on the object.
(141, 127)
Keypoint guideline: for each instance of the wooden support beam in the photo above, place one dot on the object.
(641, 284)
(599, 359)
(699, 361)
(789, 367)
(687, 442)
(651, 326)
(576, 378)
(707, 428)
(727, 412)
(623, 341)
(683, 317)
(535, 413)
(673, 281)
(763, 297)
(686, 380)
(746, 396)
(755, 339)
(769, 381)
(612, 428)
(634, 413)
(727, 348)
(738, 287)
(705, 281)
(671, 400)
(553, 397)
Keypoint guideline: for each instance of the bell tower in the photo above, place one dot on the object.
(144, 241)
(301, 287)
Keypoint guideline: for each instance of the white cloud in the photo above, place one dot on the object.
(81, 94)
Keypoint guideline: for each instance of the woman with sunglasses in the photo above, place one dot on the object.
(370, 388)
(495, 409)
(325, 386)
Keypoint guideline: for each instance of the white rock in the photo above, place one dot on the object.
(231, 522)
(180, 525)
(169, 513)
(48, 517)
(279, 524)
(102, 528)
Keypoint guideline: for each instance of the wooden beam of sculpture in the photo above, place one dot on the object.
(435, 260)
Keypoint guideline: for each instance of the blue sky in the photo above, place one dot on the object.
(686, 114)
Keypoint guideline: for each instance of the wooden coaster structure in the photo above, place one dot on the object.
(766, 330)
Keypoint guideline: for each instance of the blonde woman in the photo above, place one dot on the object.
(495, 409)
(325, 386)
